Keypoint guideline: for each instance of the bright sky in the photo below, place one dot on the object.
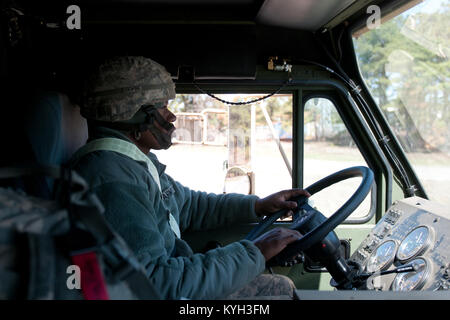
(428, 6)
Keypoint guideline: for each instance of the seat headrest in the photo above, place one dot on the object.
(54, 128)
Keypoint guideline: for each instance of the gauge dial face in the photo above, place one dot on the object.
(414, 243)
(382, 256)
(412, 280)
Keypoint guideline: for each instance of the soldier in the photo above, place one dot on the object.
(126, 106)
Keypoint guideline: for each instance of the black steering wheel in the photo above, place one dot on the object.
(315, 227)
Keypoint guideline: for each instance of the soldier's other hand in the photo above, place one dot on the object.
(275, 240)
(279, 201)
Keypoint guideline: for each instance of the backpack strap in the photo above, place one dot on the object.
(42, 263)
(10, 279)
(58, 173)
(40, 253)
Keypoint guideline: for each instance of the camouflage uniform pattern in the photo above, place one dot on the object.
(266, 285)
(24, 213)
(27, 225)
(119, 87)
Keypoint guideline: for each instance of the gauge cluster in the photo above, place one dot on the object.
(415, 233)
(382, 257)
(415, 243)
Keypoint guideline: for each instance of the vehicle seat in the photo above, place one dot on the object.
(54, 130)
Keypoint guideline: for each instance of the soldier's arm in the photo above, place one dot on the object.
(213, 275)
(202, 210)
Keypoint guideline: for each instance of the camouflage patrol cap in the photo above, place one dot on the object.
(119, 87)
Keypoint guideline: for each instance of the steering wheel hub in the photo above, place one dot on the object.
(319, 241)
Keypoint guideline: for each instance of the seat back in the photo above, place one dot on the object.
(54, 130)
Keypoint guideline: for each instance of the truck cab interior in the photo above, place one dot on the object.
(298, 80)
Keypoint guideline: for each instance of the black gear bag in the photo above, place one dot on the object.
(63, 249)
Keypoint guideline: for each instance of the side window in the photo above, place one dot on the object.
(227, 148)
(328, 147)
(405, 65)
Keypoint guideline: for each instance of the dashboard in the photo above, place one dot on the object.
(414, 233)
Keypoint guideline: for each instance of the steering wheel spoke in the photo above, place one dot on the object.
(319, 239)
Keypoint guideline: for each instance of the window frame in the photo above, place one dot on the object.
(351, 65)
(373, 193)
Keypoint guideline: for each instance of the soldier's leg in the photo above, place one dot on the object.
(266, 285)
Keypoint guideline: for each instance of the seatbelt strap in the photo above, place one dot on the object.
(130, 150)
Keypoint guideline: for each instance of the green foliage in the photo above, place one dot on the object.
(406, 66)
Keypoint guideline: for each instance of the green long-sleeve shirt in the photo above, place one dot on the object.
(139, 212)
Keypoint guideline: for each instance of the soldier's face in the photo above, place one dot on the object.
(148, 140)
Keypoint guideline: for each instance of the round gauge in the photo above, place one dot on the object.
(415, 243)
(382, 257)
(413, 280)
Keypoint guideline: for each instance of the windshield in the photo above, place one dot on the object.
(405, 65)
(231, 148)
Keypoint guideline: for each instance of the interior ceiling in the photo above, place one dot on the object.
(309, 15)
(300, 14)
